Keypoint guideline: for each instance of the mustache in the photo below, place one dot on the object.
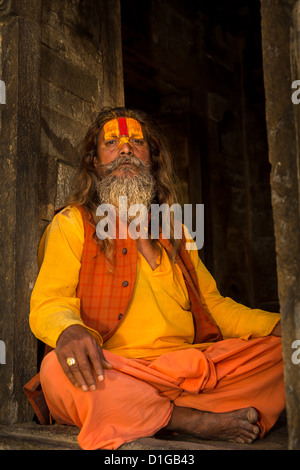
(122, 160)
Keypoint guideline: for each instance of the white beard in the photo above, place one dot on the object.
(139, 188)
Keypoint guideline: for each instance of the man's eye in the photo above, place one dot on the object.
(138, 141)
(111, 142)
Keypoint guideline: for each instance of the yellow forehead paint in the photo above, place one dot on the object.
(123, 129)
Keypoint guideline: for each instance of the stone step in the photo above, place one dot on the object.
(32, 436)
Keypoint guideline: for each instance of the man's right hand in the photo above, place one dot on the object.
(78, 343)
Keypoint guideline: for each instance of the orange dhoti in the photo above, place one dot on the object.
(137, 396)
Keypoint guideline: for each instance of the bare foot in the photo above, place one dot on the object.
(235, 426)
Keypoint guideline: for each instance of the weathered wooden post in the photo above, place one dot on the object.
(53, 75)
(281, 45)
(20, 37)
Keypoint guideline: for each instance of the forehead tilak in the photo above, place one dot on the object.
(122, 127)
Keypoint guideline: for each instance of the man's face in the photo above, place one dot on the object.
(124, 164)
(123, 137)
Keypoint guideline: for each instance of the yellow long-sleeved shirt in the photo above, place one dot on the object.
(158, 319)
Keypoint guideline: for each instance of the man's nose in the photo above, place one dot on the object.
(125, 148)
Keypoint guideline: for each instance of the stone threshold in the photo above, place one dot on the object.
(33, 436)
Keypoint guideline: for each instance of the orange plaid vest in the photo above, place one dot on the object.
(105, 296)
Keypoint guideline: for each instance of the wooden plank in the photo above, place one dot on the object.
(20, 150)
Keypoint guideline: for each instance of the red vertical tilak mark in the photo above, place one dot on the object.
(123, 129)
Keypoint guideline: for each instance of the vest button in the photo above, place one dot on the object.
(125, 283)
(124, 251)
(120, 316)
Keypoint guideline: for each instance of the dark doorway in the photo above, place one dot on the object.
(197, 67)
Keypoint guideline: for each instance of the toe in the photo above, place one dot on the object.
(256, 430)
(252, 415)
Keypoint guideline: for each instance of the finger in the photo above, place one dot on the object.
(98, 361)
(106, 364)
(75, 373)
(83, 372)
(80, 373)
(66, 368)
(79, 380)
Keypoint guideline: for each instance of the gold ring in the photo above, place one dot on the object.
(71, 361)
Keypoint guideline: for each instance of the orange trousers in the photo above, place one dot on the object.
(137, 397)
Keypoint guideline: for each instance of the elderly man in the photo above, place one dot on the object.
(142, 338)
